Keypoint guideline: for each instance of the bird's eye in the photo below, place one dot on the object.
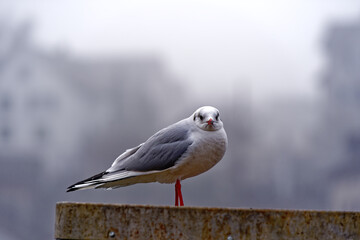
(201, 117)
(217, 117)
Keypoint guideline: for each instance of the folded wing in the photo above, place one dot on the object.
(159, 152)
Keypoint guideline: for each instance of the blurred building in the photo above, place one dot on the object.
(36, 101)
(50, 101)
(58, 112)
(341, 87)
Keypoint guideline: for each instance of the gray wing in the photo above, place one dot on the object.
(159, 152)
(126, 154)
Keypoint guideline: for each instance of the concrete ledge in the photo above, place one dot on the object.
(109, 221)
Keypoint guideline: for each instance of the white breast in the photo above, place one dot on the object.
(207, 149)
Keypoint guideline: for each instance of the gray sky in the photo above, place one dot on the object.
(270, 48)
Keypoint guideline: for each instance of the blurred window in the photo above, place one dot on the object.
(6, 103)
(41, 134)
(5, 133)
(353, 145)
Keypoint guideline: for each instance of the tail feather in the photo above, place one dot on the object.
(87, 183)
(110, 180)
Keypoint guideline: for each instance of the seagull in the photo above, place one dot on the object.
(180, 151)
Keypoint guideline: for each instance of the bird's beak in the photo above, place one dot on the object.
(210, 122)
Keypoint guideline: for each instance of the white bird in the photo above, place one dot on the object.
(177, 152)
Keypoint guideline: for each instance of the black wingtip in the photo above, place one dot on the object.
(71, 189)
(74, 188)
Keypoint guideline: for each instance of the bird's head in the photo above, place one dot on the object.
(207, 118)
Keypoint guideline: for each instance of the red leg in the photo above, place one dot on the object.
(181, 198)
(178, 193)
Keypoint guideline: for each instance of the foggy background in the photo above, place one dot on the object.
(80, 82)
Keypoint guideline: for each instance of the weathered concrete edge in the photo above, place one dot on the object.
(98, 220)
(206, 208)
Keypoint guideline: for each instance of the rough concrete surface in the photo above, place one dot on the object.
(111, 221)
